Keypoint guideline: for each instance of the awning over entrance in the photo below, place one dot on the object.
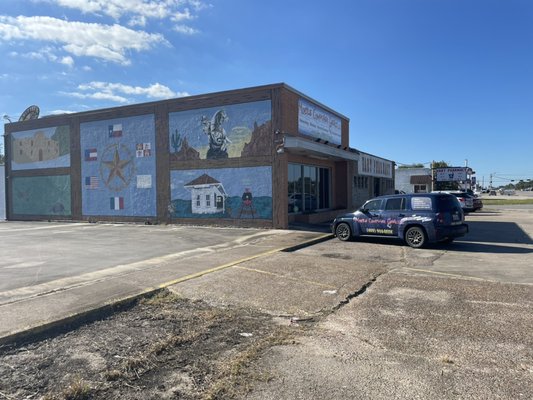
(318, 150)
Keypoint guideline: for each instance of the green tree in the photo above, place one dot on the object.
(442, 185)
(419, 165)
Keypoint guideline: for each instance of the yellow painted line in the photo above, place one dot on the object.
(444, 273)
(286, 277)
(219, 268)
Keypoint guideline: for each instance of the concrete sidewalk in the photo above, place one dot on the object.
(33, 310)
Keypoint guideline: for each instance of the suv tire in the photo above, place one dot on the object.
(415, 237)
(343, 232)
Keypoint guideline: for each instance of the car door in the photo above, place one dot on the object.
(393, 212)
(371, 220)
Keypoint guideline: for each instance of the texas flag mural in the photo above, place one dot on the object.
(91, 155)
(115, 130)
(117, 203)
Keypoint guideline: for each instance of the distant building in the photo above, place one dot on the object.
(413, 180)
(2, 193)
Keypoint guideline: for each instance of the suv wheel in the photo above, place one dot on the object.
(343, 232)
(415, 237)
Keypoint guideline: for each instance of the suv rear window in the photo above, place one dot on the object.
(446, 203)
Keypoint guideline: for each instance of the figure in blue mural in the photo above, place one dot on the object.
(247, 206)
(218, 140)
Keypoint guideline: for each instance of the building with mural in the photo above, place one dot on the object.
(264, 156)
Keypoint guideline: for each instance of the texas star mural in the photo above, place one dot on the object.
(238, 130)
(118, 167)
(222, 193)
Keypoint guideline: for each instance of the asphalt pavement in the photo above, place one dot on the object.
(385, 320)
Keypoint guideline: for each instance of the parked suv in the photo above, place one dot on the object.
(466, 200)
(418, 219)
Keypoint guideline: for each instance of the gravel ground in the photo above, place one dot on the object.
(163, 348)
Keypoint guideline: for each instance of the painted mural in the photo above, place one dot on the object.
(233, 131)
(41, 195)
(241, 193)
(118, 167)
(41, 148)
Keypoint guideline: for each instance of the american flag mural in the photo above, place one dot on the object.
(91, 182)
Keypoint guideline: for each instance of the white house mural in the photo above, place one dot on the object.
(222, 193)
(233, 131)
(41, 148)
(118, 167)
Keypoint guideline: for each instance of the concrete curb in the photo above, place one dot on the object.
(73, 321)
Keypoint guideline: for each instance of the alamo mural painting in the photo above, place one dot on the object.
(41, 148)
(239, 193)
(118, 167)
(232, 131)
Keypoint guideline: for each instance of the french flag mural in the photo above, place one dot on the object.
(117, 203)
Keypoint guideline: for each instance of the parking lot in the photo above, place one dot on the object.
(371, 318)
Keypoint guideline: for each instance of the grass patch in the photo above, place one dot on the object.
(236, 378)
(78, 389)
(500, 202)
(163, 297)
(446, 360)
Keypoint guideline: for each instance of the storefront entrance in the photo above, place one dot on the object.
(309, 188)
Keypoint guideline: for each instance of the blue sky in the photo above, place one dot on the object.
(420, 80)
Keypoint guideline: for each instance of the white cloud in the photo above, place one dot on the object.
(117, 91)
(56, 112)
(67, 60)
(137, 20)
(187, 30)
(98, 96)
(138, 11)
(107, 42)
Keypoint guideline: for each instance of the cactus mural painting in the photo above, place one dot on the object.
(232, 131)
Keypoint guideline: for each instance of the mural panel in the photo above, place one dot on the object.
(222, 193)
(233, 131)
(41, 195)
(118, 167)
(41, 148)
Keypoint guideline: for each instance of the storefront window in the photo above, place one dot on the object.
(309, 188)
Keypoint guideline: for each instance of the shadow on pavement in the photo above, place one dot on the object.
(496, 232)
(466, 247)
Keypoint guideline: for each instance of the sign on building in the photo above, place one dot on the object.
(451, 174)
(318, 123)
(370, 165)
